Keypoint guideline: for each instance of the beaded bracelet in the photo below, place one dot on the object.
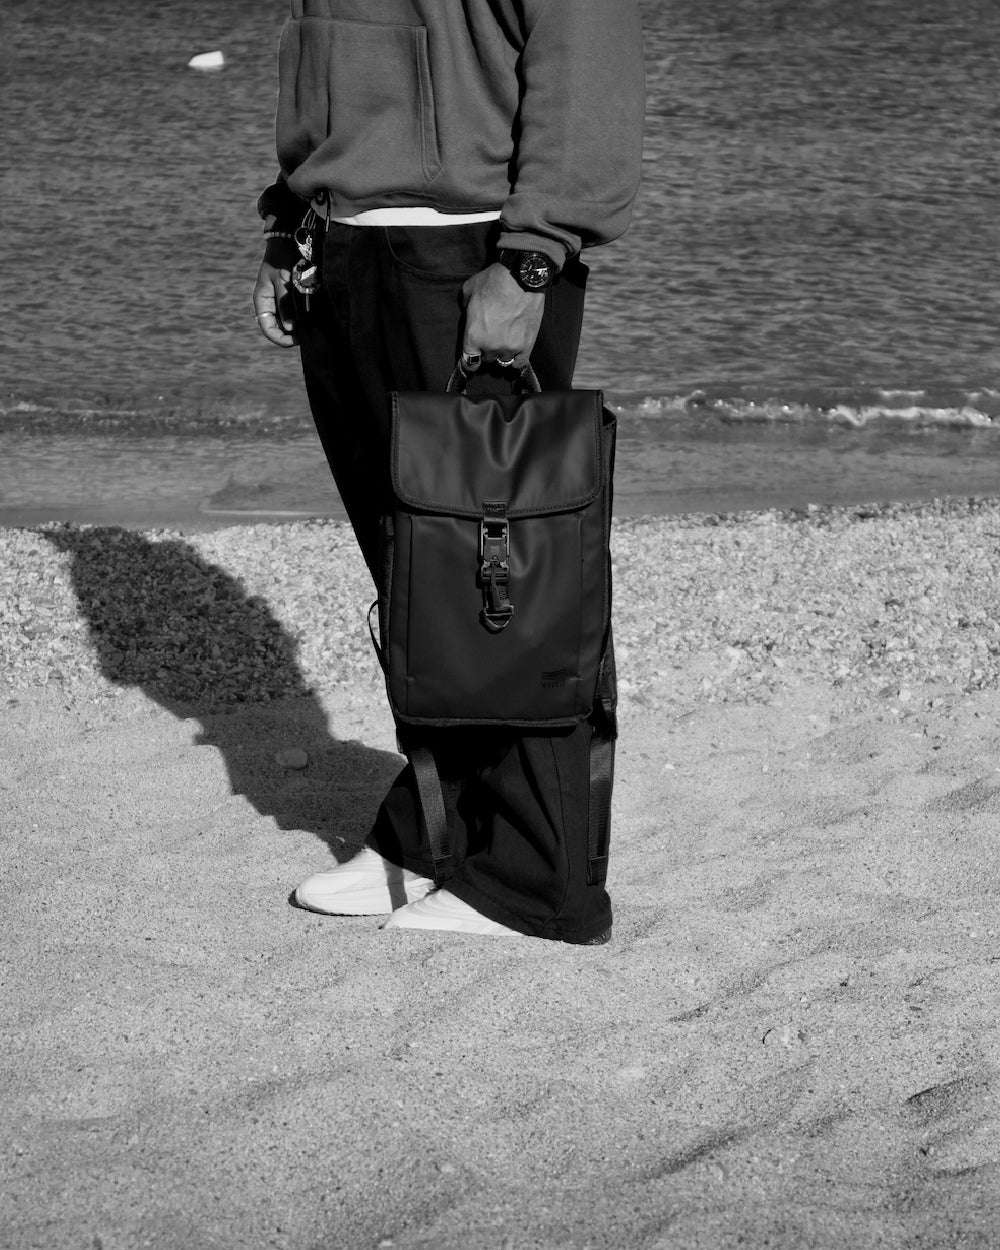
(278, 234)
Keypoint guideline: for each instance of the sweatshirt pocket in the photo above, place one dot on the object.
(357, 98)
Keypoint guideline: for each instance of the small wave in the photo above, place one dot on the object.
(172, 415)
(882, 407)
(914, 415)
(861, 408)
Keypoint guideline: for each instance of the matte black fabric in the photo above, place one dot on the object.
(445, 664)
(540, 453)
(517, 803)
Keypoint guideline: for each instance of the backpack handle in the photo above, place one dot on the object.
(525, 381)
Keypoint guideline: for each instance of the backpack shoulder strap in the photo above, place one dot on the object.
(602, 767)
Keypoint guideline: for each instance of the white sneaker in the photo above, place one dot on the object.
(366, 885)
(443, 910)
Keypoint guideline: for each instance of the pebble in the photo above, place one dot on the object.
(292, 757)
(631, 1074)
(747, 606)
(207, 60)
(787, 1036)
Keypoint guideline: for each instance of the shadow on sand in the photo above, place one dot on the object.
(184, 631)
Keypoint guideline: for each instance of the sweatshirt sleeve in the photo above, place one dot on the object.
(280, 206)
(579, 147)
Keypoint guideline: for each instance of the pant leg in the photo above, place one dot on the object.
(390, 318)
(518, 807)
(347, 374)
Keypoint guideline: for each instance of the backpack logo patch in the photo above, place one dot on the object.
(558, 677)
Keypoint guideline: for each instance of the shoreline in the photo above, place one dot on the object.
(192, 518)
(662, 468)
(790, 1041)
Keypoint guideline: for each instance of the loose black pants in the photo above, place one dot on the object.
(389, 317)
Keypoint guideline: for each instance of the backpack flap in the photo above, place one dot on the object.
(539, 453)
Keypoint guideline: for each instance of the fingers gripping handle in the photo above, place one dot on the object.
(525, 380)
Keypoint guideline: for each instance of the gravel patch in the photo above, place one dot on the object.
(878, 600)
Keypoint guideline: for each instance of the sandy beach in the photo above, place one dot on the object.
(791, 1041)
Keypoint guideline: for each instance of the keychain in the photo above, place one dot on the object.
(305, 274)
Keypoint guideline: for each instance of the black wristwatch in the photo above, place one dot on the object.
(532, 271)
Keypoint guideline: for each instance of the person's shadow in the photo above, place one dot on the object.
(185, 632)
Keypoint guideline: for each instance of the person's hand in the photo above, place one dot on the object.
(501, 318)
(272, 301)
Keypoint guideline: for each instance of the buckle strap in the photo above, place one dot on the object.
(494, 566)
(432, 809)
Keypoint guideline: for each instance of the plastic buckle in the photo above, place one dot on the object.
(494, 566)
(494, 544)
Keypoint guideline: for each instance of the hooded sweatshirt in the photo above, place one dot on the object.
(533, 108)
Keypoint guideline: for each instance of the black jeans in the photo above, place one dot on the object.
(389, 317)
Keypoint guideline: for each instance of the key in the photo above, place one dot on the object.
(305, 278)
(303, 241)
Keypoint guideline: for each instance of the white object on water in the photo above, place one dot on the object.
(207, 60)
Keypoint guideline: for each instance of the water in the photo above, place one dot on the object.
(805, 307)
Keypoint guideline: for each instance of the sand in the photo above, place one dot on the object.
(791, 1040)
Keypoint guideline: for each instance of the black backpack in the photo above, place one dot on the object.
(494, 593)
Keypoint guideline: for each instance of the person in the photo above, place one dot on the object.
(450, 162)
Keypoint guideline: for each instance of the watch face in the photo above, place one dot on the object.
(535, 271)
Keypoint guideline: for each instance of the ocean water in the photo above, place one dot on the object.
(805, 308)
